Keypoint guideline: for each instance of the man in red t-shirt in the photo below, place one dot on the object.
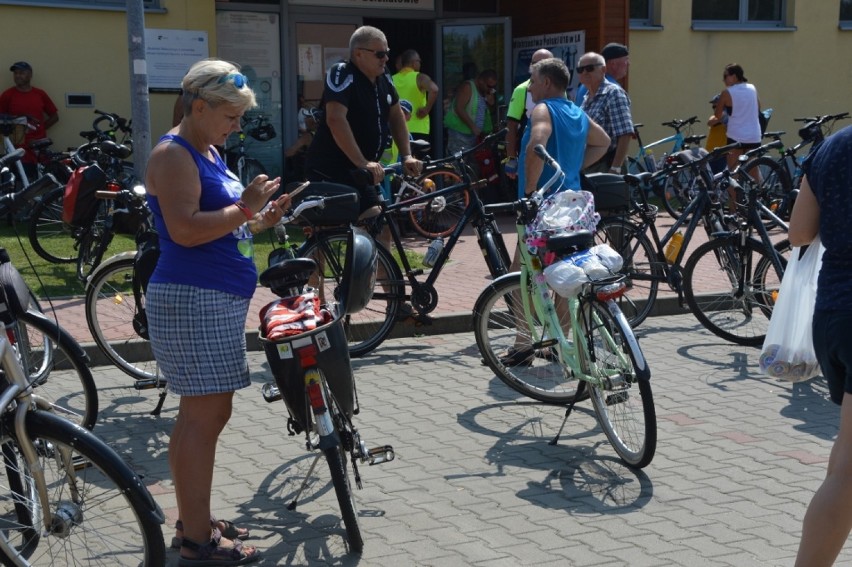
(26, 100)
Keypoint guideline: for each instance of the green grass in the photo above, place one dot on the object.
(60, 280)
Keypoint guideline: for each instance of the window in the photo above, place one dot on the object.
(754, 13)
(644, 13)
(846, 11)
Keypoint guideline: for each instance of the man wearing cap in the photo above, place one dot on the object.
(617, 61)
(26, 100)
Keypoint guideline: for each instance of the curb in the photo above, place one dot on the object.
(440, 325)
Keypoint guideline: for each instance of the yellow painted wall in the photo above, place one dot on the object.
(86, 51)
(675, 72)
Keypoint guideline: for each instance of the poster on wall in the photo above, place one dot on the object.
(332, 55)
(310, 61)
(568, 46)
(169, 53)
(252, 41)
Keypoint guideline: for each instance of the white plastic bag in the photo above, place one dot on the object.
(568, 275)
(788, 350)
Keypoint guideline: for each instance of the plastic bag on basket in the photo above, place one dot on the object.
(788, 350)
(568, 275)
(563, 213)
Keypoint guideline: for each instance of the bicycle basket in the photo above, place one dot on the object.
(612, 195)
(562, 214)
(342, 211)
(79, 205)
(332, 356)
(262, 133)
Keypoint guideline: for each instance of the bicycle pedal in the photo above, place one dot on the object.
(148, 384)
(270, 392)
(379, 455)
(79, 462)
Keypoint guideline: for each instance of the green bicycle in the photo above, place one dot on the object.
(553, 349)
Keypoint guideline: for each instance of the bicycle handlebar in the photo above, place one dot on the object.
(11, 157)
(677, 124)
(822, 119)
(313, 203)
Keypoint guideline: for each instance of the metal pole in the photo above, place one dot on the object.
(139, 101)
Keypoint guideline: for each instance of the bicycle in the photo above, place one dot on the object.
(672, 196)
(247, 168)
(100, 163)
(66, 497)
(311, 366)
(785, 176)
(39, 343)
(752, 269)
(326, 244)
(590, 342)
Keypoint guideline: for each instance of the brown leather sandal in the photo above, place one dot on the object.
(213, 553)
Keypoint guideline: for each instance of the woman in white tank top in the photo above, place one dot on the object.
(743, 105)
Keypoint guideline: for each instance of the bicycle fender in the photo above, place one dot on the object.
(642, 371)
(109, 262)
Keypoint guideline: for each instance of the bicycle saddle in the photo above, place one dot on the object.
(582, 240)
(287, 275)
(112, 149)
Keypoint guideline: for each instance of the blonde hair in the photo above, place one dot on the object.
(215, 81)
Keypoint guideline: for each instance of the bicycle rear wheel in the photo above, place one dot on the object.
(101, 513)
(773, 188)
(437, 217)
(336, 458)
(641, 268)
(114, 320)
(50, 237)
(366, 329)
(507, 344)
(625, 410)
(72, 392)
(731, 289)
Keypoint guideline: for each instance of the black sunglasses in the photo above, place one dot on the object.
(377, 53)
(588, 68)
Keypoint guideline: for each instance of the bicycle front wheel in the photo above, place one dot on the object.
(641, 267)
(100, 511)
(731, 289)
(625, 406)
(93, 243)
(115, 320)
(507, 343)
(49, 236)
(72, 393)
(437, 217)
(368, 328)
(336, 458)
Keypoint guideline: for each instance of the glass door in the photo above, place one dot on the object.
(466, 47)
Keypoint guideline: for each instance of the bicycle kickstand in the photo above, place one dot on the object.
(577, 395)
(292, 505)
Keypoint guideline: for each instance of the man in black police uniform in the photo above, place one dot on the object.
(361, 107)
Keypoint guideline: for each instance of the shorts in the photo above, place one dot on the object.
(832, 336)
(198, 338)
(368, 197)
(749, 146)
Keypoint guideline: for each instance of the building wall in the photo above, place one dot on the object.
(675, 71)
(85, 51)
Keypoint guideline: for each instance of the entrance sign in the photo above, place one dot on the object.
(568, 46)
(169, 53)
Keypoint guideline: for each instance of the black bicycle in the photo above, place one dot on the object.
(327, 245)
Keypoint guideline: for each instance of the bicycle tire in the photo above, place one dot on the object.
(75, 400)
(48, 235)
(497, 320)
(437, 217)
(336, 458)
(111, 520)
(641, 266)
(251, 169)
(110, 311)
(93, 243)
(711, 281)
(679, 190)
(626, 411)
(774, 187)
(368, 328)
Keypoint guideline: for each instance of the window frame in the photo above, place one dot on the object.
(653, 19)
(847, 23)
(108, 5)
(742, 23)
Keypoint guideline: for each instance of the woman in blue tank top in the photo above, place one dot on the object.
(198, 296)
